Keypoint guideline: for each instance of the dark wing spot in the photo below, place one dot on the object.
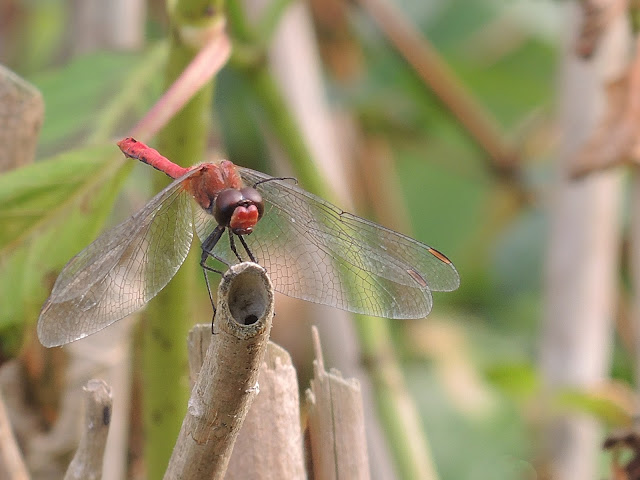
(439, 256)
(418, 278)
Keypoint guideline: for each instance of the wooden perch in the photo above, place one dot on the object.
(228, 380)
(87, 462)
(336, 423)
(270, 441)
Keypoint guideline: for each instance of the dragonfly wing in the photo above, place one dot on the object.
(121, 270)
(317, 252)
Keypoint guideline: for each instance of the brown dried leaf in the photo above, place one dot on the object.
(21, 115)
(617, 441)
(617, 137)
(597, 17)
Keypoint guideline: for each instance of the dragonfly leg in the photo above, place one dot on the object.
(213, 305)
(232, 245)
(207, 251)
(209, 244)
(246, 247)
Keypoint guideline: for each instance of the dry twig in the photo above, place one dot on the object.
(336, 423)
(87, 462)
(11, 461)
(228, 380)
(270, 441)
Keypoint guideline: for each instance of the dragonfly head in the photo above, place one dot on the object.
(238, 209)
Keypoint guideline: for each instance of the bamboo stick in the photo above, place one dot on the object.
(336, 423)
(228, 380)
(270, 441)
(87, 462)
(582, 261)
(11, 461)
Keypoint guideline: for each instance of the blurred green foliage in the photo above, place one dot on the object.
(51, 210)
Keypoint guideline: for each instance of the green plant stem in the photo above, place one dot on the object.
(249, 59)
(396, 408)
(168, 318)
(261, 34)
(280, 120)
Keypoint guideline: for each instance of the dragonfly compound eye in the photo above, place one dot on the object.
(253, 197)
(225, 204)
(239, 210)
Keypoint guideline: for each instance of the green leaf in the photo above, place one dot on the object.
(51, 210)
(519, 380)
(606, 408)
(76, 95)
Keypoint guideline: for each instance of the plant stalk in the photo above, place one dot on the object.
(164, 357)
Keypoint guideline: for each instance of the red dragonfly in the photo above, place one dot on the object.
(311, 249)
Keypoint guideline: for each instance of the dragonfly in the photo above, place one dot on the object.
(311, 249)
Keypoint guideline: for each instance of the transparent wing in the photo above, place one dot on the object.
(121, 270)
(317, 252)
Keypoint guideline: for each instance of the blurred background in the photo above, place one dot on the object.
(484, 129)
